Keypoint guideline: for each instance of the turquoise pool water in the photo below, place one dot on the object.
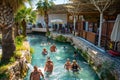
(58, 58)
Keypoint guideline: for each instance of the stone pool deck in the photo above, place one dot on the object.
(98, 58)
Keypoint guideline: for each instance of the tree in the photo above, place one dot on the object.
(43, 7)
(23, 16)
(7, 10)
(101, 6)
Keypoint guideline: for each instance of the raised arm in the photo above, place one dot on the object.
(41, 73)
(31, 76)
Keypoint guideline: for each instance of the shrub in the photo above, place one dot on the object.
(19, 40)
(31, 50)
(48, 33)
(28, 58)
(3, 74)
(20, 47)
(61, 38)
(18, 54)
(12, 59)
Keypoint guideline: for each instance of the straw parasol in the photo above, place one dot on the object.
(115, 35)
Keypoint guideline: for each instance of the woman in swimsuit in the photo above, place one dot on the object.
(75, 67)
(67, 65)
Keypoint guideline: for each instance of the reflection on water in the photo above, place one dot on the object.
(64, 51)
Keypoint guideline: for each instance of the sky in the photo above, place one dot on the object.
(60, 1)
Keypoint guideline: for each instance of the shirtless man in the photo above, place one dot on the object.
(48, 66)
(67, 65)
(36, 74)
(53, 48)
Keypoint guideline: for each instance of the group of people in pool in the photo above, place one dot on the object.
(74, 67)
(52, 49)
(37, 74)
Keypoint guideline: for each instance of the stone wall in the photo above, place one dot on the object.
(19, 69)
(106, 66)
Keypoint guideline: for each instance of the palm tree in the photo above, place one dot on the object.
(43, 7)
(7, 10)
(23, 16)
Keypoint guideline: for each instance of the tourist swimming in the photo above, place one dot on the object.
(48, 69)
(44, 52)
(53, 48)
(75, 67)
(36, 74)
(67, 65)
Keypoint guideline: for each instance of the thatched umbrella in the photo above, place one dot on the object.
(115, 35)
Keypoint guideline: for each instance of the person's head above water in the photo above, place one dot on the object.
(48, 58)
(44, 49)
(35, 68)
(74, 61)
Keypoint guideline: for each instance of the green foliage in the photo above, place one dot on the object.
(22, 47)
(19, 40)
(44, 5)
(85, 55)
(48, 33)
(31, 50)
(18, 54)
(61, 38)
(3, 68)
(12, 59)
(26, 14)
(4, 76)
(28, 58)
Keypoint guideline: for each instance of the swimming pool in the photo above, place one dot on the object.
(59, 58)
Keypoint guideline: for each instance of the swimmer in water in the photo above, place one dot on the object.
(36, 74)
(44, 52)
(48, 67)
(75, 67)
(53, 48)
(67, 65)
